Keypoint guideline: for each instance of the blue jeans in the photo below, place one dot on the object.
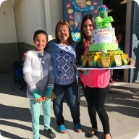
(70, 93)
(35, 112)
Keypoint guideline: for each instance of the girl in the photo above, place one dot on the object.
(38, 74)
(62, 50)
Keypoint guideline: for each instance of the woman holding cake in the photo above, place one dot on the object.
(95, 83)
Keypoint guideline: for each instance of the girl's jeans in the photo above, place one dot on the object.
(70, 93)
(35, 111)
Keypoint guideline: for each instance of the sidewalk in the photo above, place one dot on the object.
(15, 119)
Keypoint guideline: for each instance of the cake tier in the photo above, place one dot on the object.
(106, 35)
(103, 46)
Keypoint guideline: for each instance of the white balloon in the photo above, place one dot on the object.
(137, 1)
(1, 137)
(1, 1)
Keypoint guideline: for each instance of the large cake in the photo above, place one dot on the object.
(104, 36)
(104, 51)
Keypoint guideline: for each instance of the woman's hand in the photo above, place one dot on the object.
(132, 62)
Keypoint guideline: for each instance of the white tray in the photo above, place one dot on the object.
(120, 67)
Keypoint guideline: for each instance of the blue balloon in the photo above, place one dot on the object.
(91, 7)
(71, 28)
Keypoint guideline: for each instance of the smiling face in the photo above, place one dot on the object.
(88, 28)
(40, 42)
(63, 33)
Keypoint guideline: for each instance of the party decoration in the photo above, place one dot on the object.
(94, 3)
(76, 36)
(71, 17)
(70, 11)
(79, 25)
(68, 5)
(78, 6)
(71, 28)
(88, 3)
(103, 20)
(71, 23)
(95, 11)
(91, 7)
(81, 5)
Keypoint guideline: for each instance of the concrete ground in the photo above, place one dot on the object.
(15, 119)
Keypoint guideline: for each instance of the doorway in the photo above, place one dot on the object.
(117, 9)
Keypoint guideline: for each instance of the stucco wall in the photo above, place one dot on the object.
(56, 10)
(29, 18)
(8, 45)
(7, 24)
(31, 15)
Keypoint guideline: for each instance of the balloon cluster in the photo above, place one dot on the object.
(81, 6)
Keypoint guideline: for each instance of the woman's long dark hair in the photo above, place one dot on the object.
(86, 17)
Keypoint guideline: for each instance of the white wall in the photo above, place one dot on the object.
(29, 18)
(56, 10)
(7, 23)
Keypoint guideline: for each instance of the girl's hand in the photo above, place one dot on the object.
(132, 62)
(39, 99)
(46, 98)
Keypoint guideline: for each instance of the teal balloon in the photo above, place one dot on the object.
(76, 36)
